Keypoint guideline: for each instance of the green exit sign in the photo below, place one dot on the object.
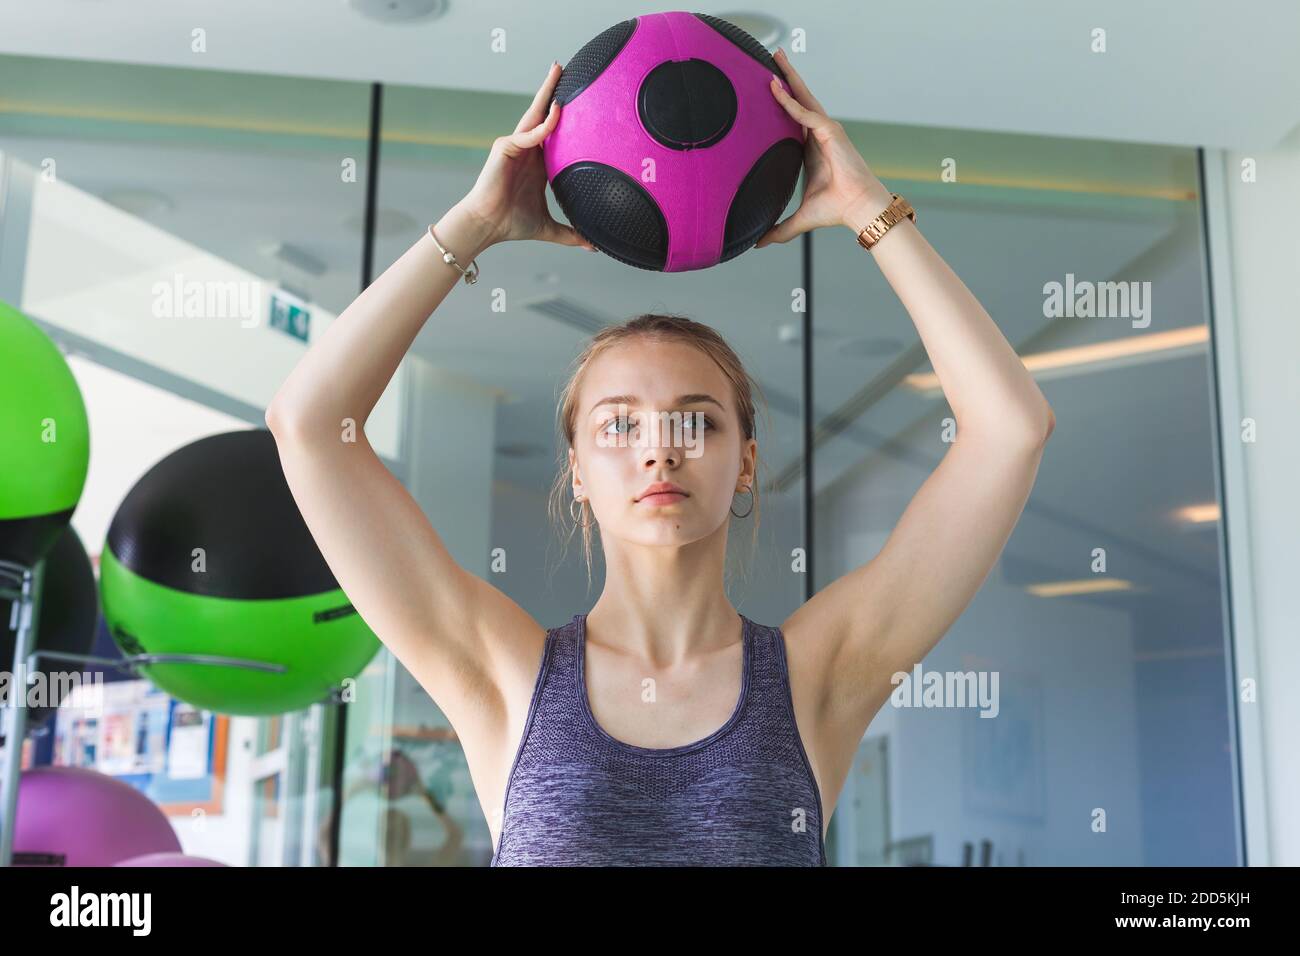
(290, 315)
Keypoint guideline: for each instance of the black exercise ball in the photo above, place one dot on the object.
(67, 615)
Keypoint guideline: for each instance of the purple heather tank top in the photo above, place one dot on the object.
(745, 795)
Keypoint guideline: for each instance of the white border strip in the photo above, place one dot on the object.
(1234, 529)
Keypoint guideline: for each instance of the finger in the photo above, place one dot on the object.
(805, 116)
(554, 231)
(537, 110)
(532, 137)
(797, 84)
(781, 232)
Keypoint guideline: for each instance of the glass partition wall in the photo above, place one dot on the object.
(129, 196)
(1102, 624)
(1102, 619)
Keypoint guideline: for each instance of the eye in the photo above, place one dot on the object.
(615, 420)
(690, 420)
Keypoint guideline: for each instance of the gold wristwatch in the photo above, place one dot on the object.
(896, 212)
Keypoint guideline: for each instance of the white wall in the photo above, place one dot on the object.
(1258, 312)
(227, 836)
(133, 426)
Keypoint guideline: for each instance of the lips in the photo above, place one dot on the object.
(663, 492)
(661, 498)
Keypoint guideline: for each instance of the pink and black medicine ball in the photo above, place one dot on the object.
(671, 153)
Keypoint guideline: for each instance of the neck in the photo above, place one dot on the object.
(665, 604)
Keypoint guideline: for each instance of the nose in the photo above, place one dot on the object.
(667, 455)
(661, 452)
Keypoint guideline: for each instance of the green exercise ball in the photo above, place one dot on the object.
(208, 554)
(44, 440)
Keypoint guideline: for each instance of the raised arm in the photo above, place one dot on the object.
(889, 613)
(458, 635)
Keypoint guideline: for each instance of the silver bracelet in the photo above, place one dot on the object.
(470, 276)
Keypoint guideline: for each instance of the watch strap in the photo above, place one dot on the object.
(897, 210)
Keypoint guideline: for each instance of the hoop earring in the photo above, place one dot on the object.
(576, 522)
(751, 504)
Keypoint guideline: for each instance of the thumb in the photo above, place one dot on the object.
(781, 232)
(564, 235)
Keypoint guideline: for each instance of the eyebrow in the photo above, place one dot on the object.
(690, 398)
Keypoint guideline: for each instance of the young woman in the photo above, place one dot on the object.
(661, 727)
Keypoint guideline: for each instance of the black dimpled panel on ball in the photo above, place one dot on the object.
(686, 104)
(762, 197)
(589, 62)
(612, 211)
(743, 40)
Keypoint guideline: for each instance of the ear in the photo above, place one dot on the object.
(749, 462)
(573, 465)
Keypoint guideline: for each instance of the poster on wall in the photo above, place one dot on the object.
(189, 743)
(131, 730)
(171, 751)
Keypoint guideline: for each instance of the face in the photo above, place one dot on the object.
(676, 422)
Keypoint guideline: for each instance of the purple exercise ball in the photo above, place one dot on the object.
(71, 816)
(169, 859)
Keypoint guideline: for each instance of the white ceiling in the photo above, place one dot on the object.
(1192, 72)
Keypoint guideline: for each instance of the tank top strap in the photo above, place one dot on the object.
(560, 673)
(556, 689)
(771, 700)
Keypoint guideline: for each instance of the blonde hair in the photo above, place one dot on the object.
(655, 327)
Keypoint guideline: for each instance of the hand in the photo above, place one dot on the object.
(510, 194)
(840, 188)
(402, 775)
